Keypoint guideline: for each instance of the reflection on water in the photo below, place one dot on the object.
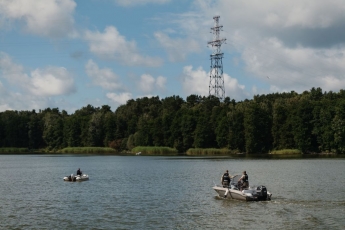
(168, 193)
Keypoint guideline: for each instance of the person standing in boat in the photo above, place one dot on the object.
(79, 173)
(244, 180)
(226, 179)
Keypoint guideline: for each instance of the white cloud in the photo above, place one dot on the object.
(28, 91)
(148, 84)
(23, 101)
(120, 98)
(160, 82)
(51, 81)
(197, 81)
(297, 69)
(252, 13)
(12, 100)
(299, 44)
(189, 32)
(51, 18)
(4, 107)
(3, 90)
(139, 2)
(13, 72)
(177, 48)
(112, 45)
(17, 100)
(105, 78)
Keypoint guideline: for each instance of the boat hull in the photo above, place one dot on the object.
(245, 195)
(230, 193)
(76, 178)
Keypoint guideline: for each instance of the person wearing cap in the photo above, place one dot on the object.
(244, 181)
(226, 179)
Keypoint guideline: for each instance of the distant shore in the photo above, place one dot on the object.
(164, 151)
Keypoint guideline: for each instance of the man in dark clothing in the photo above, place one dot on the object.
(79, 173)
(226, 179)
(244, 181)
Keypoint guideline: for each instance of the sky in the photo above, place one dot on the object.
(67, 54)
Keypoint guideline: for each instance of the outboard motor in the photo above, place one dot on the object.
(262, 192)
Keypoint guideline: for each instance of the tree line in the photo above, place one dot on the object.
(313, 121)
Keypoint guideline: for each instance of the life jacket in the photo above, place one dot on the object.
(226, 177)
(245, 178)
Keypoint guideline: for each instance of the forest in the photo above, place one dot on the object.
(312, 122)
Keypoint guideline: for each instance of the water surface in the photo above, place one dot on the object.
(167, 193)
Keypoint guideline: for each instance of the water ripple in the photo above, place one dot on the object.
(163, 193)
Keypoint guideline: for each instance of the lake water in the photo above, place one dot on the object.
(167, 193)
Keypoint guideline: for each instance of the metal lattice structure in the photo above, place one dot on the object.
(216, 86)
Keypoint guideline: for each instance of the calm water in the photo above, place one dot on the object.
(167, 193)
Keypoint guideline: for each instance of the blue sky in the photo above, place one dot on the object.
(70, 53)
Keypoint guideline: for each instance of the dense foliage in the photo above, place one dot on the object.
(313, 121)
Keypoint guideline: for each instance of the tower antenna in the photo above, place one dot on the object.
(216, 86)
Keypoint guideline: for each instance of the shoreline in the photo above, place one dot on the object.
(231, 156)
(166, 151)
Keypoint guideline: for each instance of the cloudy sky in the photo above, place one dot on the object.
(70, 53)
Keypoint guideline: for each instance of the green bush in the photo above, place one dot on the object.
(210, 152)
(14, 150)
(87, 150)
(155, 150)
(287, 152)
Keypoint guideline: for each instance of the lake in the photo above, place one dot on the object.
(139, 192)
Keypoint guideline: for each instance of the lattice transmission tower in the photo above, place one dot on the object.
(216, 86)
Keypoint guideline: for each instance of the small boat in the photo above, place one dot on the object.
(232, 191)
(73, 178)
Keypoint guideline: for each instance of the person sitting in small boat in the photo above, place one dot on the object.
(226, 179)
(79, 173)
(243, 181)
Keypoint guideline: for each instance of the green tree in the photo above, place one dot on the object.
(302, 125)
(35, 132)
(222, 133)
(53, 130)
(188, 126)
(236, 128)
(15, 128)
(72, 131)
(281, 127)
(143, 136)
(338, 126)
(257, 128)
(204, 135)
(109, 127)
(96, 136)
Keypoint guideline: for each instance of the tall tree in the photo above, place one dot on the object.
(35, 132)
(53, 130)
(281, 127)
(96, 136)
(338, 126)
(109, 127)
(72, 131)
(236, 127)
(257, 128)
(302, 125)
